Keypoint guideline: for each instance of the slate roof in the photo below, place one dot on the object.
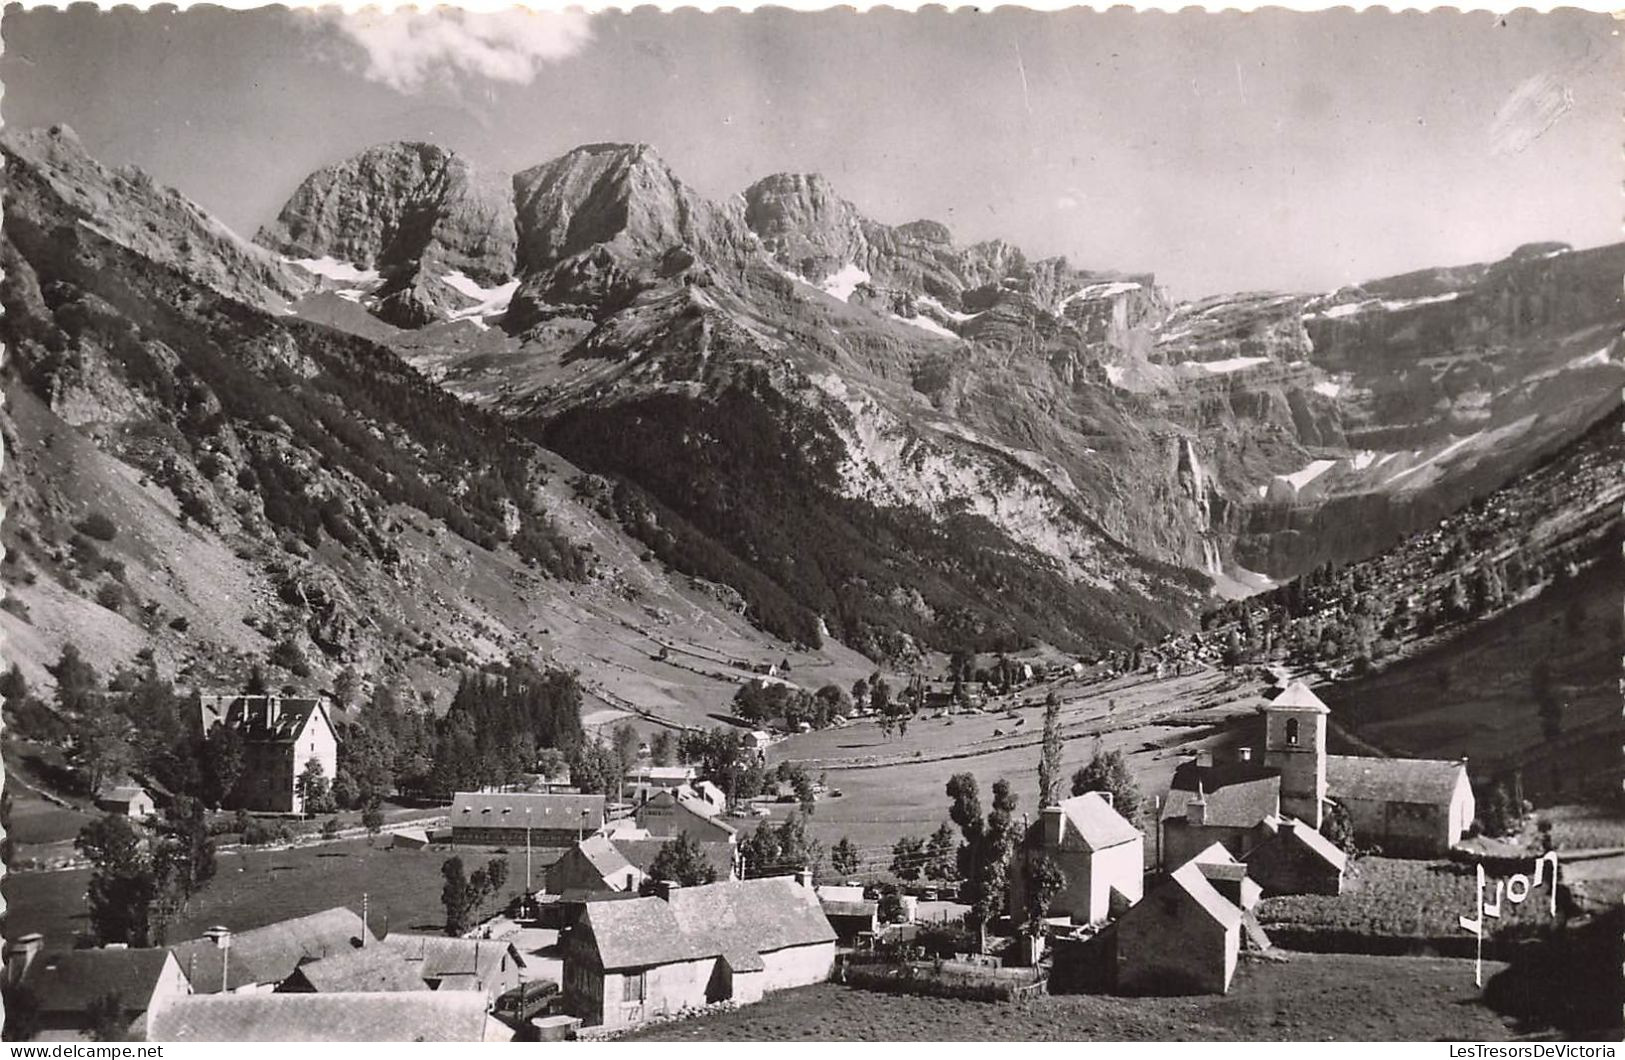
(1305, 837)
(121, 793)
(348, 1017)
(1298, 696)
(439, 957)
(845, 907)
(1415, 780)
(1239, 794)
(506, 809)
(269, 954)
(70, 981)
(1188, 878)
(736, 917)
(1097, 822)
(372, 969)
(642, 853)
(247, 714)
(602, 855)
(694, 805)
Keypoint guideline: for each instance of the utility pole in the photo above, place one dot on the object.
(527, 855)
(364, 923)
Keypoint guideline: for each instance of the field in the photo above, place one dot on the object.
(1390, 898)
(1300, 997)
(255, 887)
(893, 787)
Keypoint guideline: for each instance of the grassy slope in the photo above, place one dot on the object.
(1305, 997)
(255, 887)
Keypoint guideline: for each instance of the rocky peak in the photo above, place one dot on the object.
(397, 207)
(158, 222)
(806, 226)
(620, 196)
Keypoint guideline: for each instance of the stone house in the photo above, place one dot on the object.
(1101, 854)
(126, 800)
(66, 986)
(594, 864)
(670, 814)
(281, 736)
(628, 961)
(1410, 807)
(1183, 937)
(1286, 856)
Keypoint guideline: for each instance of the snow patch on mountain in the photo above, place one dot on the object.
(925, 323)
(488, 301)
(844, 282)
(952, 314)
(1226, 366)
(338, 271)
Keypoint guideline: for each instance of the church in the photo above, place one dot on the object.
(1406, 806)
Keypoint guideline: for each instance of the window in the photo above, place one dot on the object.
(634, 986)
(1292, 731)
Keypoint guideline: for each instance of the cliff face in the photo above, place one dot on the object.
(412, 215)
(1073, 416)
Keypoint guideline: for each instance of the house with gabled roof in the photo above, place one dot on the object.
(1209, 804)
(1183, 937)
(342, 1017)
(670, 814)
(594, 864)
(66, 987)
(369, 970)
(488, 966)
(281, 736)
(546, 820)
(1100, 853)
(1410, 807)
(125, 800)
(1286, 856)
(686, 947)
(258, 960)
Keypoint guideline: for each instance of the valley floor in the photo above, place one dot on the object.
(1297, 997)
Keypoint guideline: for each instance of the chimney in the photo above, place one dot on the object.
(21, 953)
(1053, 821)
(220, 936)
(1196, 809)
(1108, 797)
(1244, 754)
(665, 888)
(1204, 758)
(804, 877)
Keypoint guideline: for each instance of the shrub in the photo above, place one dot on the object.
(97, 525)
(16, 607)
(111, 596)
(180, 624)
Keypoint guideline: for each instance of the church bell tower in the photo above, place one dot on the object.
(1295, 744)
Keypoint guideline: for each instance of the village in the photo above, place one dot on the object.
(684, 892)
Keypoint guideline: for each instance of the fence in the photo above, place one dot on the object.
(950, 979)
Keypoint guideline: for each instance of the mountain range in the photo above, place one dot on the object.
(822, 431)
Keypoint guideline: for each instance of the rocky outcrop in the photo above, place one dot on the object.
(127, 207)
(412, 213)
(401, 208)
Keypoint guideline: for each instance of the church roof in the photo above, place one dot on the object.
(1414, 780)
(1238, 794)
(1298, 696)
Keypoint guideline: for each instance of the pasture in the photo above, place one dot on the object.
(1295, 997)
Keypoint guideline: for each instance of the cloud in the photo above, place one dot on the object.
(1537, 104)
(407, 49)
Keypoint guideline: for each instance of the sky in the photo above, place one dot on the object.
(1279, 150)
